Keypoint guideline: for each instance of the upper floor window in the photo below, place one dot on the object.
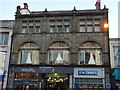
(89, 28)
(26, 76)
(59, 28)
(82, 21)
(52, 28)
(97, 28)
(82, 28)
(37, 29)
(97, 21)
(58, 53)
(117, 56)
(89, 21)
(31, 29)
(4, 38)
(29, 54)
(90, 53)
(66, 28)
(24, 30)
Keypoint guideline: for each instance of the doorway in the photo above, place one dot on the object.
(60, 81)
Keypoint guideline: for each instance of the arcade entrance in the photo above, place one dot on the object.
(60, 81)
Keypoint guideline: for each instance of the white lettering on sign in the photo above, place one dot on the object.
(88, 72)
(28, 70)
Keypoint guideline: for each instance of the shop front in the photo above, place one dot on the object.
(89, 78)
(37, 78)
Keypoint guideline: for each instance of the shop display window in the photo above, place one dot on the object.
(28, 54)
(58, 53)
(90, 53)
(26, 76)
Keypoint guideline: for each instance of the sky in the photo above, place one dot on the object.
(8, 9)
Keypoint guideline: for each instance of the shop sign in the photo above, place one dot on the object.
(28, 70)
(88, 72)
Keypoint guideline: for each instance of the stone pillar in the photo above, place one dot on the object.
(10, 80)
(74, 58)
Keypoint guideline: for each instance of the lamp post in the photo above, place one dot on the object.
(107, 67)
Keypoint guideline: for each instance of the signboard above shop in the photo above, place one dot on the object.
(88, 72)
(44, 70)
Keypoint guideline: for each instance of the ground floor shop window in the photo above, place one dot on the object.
(88, 80)
(26, 76)
(57, 81)
(89, 83)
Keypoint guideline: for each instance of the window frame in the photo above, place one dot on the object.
(31, 29)
(4, 36)
(37, 27)
(66, 28)
(91, 49)
(59, 28)
(60, 49)
(31, 50)
(52, 28)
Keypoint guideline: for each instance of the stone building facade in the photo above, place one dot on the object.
(60, 49)
(115, 59)
(6, 28)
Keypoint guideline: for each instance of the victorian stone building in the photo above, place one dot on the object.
(60, 49)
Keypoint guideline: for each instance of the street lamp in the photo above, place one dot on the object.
(106, 25)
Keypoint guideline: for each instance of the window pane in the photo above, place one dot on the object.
(29, 45)
(82, 22)
(59, 28)
(2, 59)
(37, 29)
(31, 29)
(117, 56)
(82, 28)
(4, 38)
(89, 29)
(97, 22)
(24, 30)
(90, 57)
(89, 22)
(97, 28)
(52, 28)
(35, 57)
(66, 29)
(24, 56)
(59, 56)
(29, 57)
(82, 57)
(1, 39)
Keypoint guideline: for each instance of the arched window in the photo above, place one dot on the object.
(90, 53)
(29, 54)
(58, 53)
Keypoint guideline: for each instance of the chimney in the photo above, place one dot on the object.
(25, 5)
(98, 4)
(18, 8)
